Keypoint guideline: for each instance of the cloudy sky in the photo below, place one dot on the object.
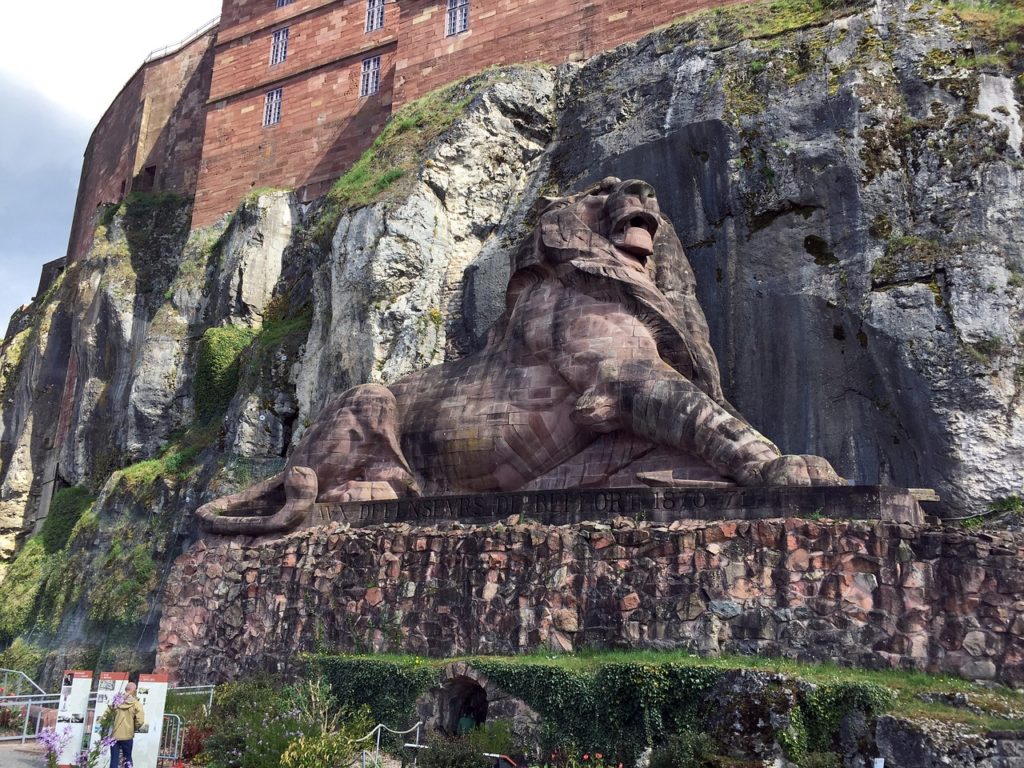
(54, 86)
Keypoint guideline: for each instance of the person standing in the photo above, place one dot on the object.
(129, 718)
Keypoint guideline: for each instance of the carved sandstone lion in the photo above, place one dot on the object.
(599, 373)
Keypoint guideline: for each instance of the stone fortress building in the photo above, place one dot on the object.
(289, 93)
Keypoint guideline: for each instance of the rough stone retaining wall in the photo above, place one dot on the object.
(867, 593)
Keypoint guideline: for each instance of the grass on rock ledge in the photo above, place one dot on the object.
(1000, 708)
(399, 150)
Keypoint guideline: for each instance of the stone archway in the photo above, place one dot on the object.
(461, 699)
(463, 691)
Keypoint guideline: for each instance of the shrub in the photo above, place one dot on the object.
(251, 725)
(444, 752)
(388, 688)
(255, 722)
(11, 718)
(687, 749)
(824, 708)
(194, 741)
(318, 751)
(494, 737)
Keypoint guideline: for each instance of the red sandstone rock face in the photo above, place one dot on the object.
(875, 594)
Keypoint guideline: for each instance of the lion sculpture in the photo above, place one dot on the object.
(599, 373)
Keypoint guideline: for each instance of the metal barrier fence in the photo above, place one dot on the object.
(14, 682)
(378, 731)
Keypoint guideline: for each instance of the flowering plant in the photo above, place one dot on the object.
(54, 743)
(89, 758)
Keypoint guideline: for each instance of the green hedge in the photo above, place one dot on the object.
(389, 688)
(615, 707)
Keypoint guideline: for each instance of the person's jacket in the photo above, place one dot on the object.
(128, 718)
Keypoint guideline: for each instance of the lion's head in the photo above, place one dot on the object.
(614, 232)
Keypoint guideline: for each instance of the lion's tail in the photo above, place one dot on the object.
(277, 504)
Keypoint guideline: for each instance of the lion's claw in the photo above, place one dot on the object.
(802, 470)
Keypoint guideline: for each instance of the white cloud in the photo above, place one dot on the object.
(61, 65)
(79, 54)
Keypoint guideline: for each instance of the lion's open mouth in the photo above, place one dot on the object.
(634, 234)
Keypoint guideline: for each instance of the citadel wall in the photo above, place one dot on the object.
(192, 121)
(325, 124)
(150, 138)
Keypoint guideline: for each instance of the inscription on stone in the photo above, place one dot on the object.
(654, 504)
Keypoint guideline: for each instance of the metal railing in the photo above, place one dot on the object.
(378, 731)
(38, 710)
(171, 738)
(159, 53)
(13, 682)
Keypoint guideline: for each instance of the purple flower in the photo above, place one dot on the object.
(54, 742)
(118, 700)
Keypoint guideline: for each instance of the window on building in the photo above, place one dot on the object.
(370, 81)
(458, 17)
(279, 46)
(374, 14)
(272, 107)
(283, 3)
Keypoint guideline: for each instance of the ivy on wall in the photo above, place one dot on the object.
(618, 708)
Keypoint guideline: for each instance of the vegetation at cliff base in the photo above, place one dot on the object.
(21, 586)
(622, 699)
(118, 591)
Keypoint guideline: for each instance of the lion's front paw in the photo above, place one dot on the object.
(799, 470)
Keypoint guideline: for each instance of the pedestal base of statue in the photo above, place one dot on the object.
(661, 505)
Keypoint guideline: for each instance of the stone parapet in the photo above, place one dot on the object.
(871, 593)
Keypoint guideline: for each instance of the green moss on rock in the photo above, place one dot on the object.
(21, 586)
(217, 369)
(23, 656)
(126, 576)
(66, 507)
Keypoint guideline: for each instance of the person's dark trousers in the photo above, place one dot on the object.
(119, 748)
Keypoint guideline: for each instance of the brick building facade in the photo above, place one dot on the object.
(295, 90)
(150, 139)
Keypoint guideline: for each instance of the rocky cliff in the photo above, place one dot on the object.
(846, 177)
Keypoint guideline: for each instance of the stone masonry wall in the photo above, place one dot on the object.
(875, 594)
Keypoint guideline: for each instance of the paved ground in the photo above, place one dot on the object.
(20, 755)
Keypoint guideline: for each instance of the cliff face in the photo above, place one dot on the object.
(848, 186)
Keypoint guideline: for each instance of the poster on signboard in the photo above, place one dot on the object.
(72, 708)
(111, 684)
(152, 695)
